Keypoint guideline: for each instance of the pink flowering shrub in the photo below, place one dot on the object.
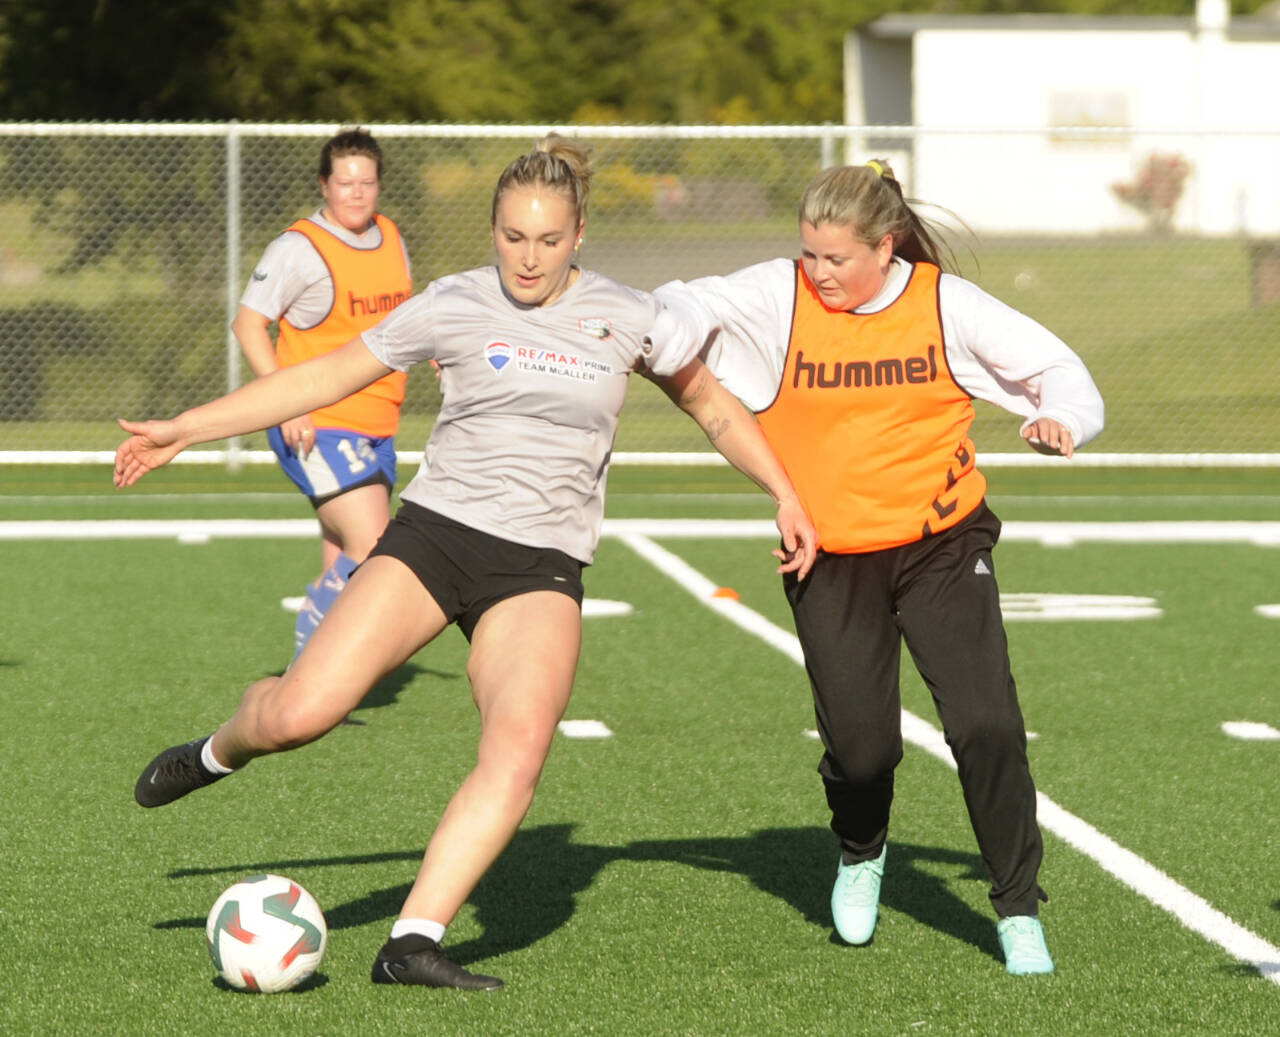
(1156, 189)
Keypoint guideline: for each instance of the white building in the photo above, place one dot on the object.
(1025, 122)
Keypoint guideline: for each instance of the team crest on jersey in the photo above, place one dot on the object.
(498, 354)
(596, 327)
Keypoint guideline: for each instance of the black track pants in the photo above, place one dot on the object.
(939, 594)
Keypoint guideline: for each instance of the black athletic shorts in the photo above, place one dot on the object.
(467, 571)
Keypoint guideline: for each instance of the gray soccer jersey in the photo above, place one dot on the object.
(531, 400)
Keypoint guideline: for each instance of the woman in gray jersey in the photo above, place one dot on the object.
(495, 528)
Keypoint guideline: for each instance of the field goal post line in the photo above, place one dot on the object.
(1148, 881)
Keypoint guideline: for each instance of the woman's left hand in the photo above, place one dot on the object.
(799, 538)
(1049, 437)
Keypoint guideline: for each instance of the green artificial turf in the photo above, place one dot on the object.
(672, 879)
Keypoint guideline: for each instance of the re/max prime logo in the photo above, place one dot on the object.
(560, 364)
(857, 374)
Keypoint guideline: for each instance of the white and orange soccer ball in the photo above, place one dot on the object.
(266, 933)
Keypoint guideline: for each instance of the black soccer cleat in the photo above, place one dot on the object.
(173, 774)
(417, 960)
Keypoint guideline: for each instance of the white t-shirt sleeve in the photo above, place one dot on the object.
(679, 329)
(1006, 358)
(291, 279)
(404, 251)
(740, 324)
(669, 343)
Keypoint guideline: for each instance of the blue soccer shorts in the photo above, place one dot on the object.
(339, 461)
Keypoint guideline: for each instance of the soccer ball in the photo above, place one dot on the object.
(266, 933)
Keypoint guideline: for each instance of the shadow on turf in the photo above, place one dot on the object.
(798, 866)
(312, 982)
(543, 871)
(387, 691)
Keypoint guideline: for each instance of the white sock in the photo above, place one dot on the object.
(421, 926)
(208, 761)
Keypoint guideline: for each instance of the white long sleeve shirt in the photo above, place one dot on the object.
(743, 323)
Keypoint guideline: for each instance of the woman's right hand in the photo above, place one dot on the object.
(799, 538)
(299, 434)
(152, 444)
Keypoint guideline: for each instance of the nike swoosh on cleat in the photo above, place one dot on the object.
(154, 775)
(390, 972)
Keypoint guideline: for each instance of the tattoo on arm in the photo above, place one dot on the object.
(695, 391)
(716, 428)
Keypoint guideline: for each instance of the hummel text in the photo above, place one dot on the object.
(914, 370)
(384, 303)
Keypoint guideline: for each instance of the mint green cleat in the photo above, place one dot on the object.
(1022, 940)
(855, 899)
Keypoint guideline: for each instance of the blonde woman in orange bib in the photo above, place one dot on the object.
(862, 360)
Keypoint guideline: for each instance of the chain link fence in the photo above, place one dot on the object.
(124, 250)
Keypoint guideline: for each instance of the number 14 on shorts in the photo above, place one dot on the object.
(358, 453)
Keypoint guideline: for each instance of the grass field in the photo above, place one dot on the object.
(674, 878)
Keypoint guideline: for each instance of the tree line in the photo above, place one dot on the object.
(572, 61)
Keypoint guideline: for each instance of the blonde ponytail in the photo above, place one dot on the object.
(555, 162)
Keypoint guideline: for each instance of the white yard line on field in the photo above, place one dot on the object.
(1057, 534)
(189, 530)
(81, 500)
(1142, 877)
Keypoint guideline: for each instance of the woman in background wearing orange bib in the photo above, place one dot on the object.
(861, 361)
(326, 279)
